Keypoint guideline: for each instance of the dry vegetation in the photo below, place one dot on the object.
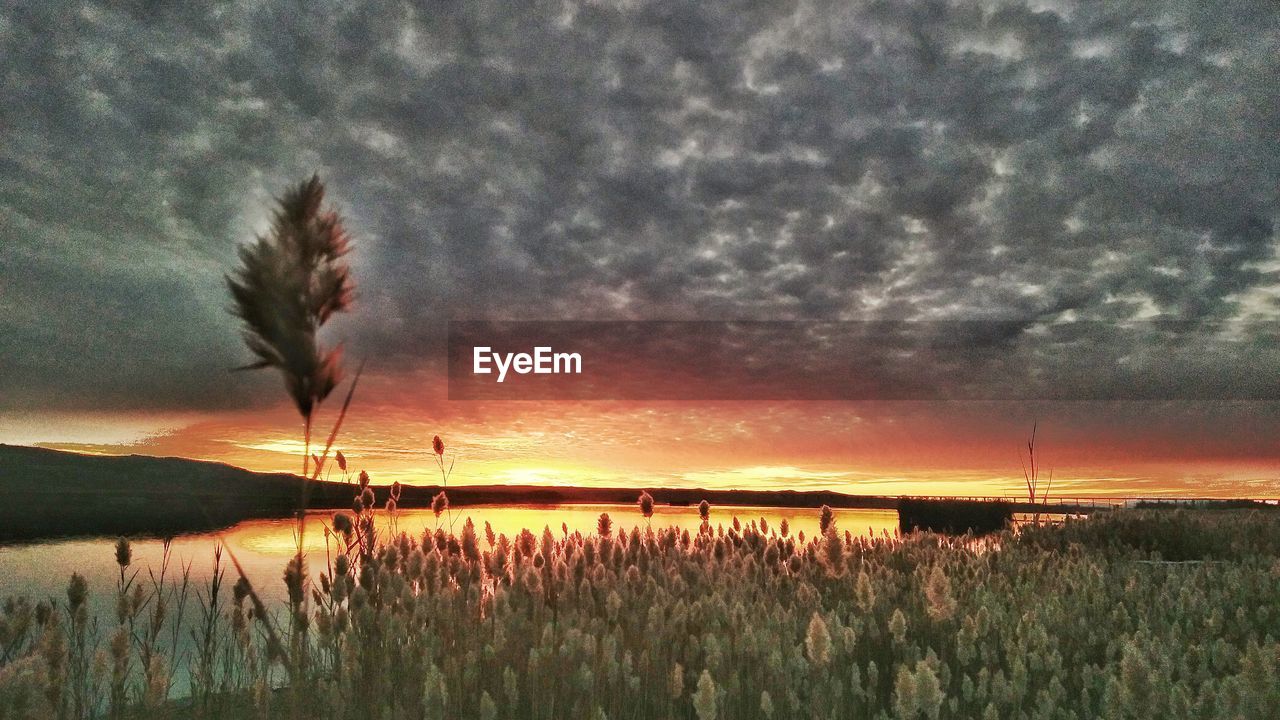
(1077, 621)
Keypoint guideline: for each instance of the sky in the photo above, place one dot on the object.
(1040, 163)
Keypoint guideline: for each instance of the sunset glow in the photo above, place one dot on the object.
(1002, 185)
(861, 448)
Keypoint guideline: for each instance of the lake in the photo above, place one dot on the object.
(42, 569)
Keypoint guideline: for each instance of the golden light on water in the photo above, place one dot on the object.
(262, 546)
(277, 538)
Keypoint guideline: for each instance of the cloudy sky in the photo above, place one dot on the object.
(1039, 162)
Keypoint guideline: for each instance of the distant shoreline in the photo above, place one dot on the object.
(50, 493)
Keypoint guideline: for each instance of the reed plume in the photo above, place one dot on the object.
(289, 283)
(646, 505)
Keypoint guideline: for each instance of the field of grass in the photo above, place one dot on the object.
(1130, 614)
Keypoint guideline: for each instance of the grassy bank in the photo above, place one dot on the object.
(1087, 619)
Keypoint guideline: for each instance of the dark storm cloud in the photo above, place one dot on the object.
(766, 160)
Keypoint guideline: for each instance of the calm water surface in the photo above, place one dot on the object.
(42, 569)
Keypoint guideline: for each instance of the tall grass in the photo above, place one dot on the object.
(289, 283)
(1070, 621)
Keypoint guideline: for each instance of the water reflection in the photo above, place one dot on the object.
(41, 570)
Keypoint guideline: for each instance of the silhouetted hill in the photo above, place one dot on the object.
(50, 493)
(45, 493)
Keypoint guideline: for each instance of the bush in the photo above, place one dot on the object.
(954, 517)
